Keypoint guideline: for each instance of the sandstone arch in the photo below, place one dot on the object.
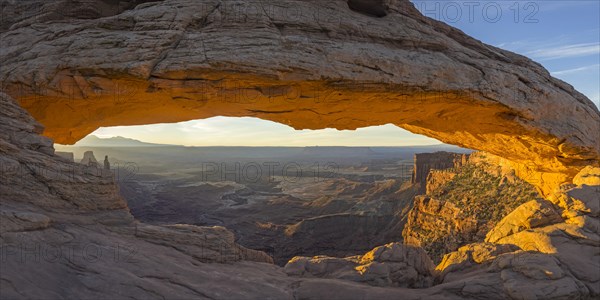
(307, 64)
(173, 60)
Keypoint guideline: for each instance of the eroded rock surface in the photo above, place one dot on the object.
(468, 200)
(89, 159)
(557, 260)
(426, 162)
(393, 264)
(529, 215)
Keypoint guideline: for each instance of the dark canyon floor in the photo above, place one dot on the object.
(310, 201)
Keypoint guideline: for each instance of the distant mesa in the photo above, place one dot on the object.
(425, 162)
(119, 141)
(89, 159)
(337, 151)
(66, 155)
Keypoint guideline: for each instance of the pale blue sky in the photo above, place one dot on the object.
(225, 131)
(564, 36)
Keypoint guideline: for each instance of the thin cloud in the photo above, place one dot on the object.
(546, 6)
(566, 51)
(577, 70)
(596, 99)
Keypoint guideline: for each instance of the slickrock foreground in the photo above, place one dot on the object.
(65, 228)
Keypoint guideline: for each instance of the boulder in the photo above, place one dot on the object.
(393, 264)
(535, 213)
(589, 175)
(472, 255)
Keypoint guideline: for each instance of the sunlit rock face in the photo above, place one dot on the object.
(468, 197)
(307, 64)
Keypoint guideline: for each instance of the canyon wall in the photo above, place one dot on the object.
(463, 202)
(425, 162)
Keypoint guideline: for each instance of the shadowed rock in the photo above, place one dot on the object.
(375, 8)
(66, 155)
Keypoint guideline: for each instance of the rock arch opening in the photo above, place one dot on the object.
(338, 199)
(290, 200)
(454, 117)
